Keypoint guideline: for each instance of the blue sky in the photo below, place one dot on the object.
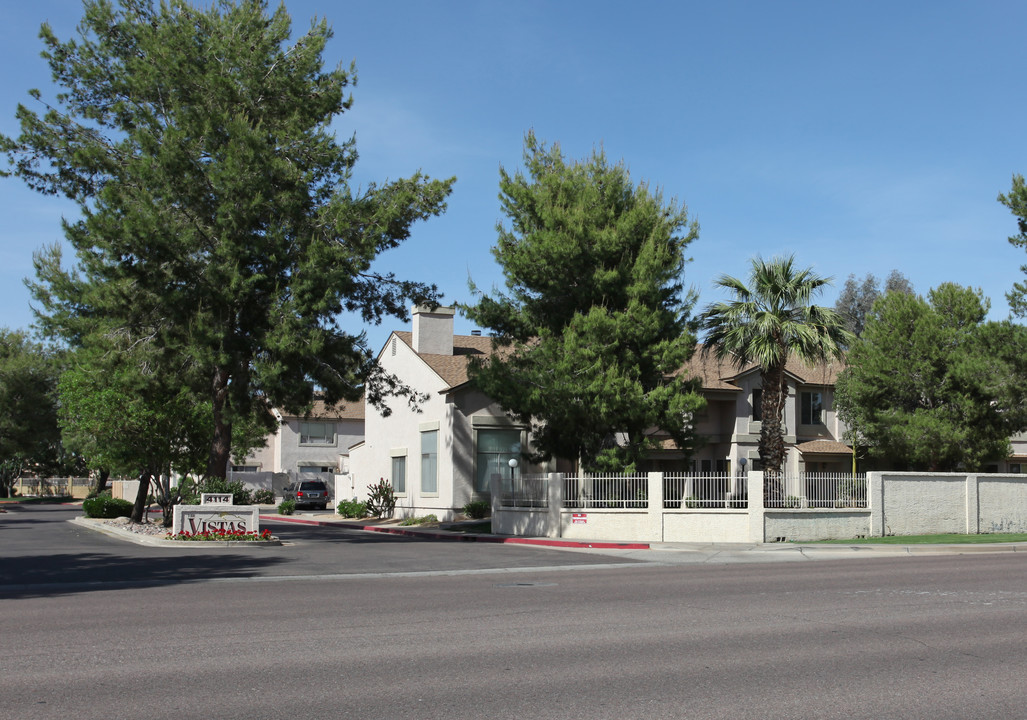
(861, 137)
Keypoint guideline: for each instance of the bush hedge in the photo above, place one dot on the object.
(264, 497)
(352, 509)
(105, 506)
(478, 509)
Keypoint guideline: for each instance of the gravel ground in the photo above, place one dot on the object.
(155, 529)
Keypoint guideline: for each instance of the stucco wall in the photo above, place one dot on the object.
(1001, 503)
(293, 455)
(898, 504)
(811, 525)
(914, 504)
(698, 526)
(400, 432)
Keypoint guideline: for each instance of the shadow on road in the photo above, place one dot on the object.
(66, 573)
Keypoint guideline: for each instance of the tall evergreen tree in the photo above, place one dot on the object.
(217, 218)
(931, 385)
(856, 300)
(1016, 201)
(769, 320)
(594, 328)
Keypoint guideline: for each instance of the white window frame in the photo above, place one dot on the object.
(326, 439)
(430, 463)
(397, 455)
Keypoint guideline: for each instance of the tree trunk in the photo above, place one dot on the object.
(221, 444)
(141, 495)
(772, 444)
(101, 481)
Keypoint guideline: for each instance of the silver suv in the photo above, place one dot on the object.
(313, 493)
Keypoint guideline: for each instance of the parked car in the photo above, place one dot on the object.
(313, 493)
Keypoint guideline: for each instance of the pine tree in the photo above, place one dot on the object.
(217, 219)
(594, 328)
(931, 385)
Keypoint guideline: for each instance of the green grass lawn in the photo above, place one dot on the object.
(943, 539)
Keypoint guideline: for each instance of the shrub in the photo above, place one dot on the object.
(478, 509)
(381, 500)
(352, 509)
(106, 507)
(420, 520)
(240, 495)
(264, 497)
(287, 507)
(692, 502)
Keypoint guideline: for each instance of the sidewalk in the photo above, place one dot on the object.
(660, 552)
(392, 527)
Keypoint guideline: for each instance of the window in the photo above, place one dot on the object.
(430, 461)
(399, 474)
(244, 468)
(812, 407)
(1014, 467)
(315, 469)
(317, 433)
(757, 405)
(495, 450)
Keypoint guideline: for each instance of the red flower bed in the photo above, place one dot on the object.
(207, 535)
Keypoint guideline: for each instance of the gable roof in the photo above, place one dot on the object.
(717, 374)
(823, 447)
(342, 410)
(714, 373)
(452, 368)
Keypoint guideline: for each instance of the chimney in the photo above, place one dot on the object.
(433, 330)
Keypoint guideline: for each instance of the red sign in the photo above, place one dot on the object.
(579, 518)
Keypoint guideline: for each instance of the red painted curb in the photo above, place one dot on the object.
(544, 542)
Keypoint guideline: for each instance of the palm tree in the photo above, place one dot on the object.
(766, 322)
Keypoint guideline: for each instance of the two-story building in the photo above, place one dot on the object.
(446, 453)
(312, 445)
(730, 425)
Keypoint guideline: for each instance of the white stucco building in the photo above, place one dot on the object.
(444, 456)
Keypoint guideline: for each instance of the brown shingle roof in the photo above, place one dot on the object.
(453, 368)
(823, 447)
(342, 410)
(721, 374)
(715, 374)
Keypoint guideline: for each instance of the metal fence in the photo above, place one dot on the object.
(525, 491)
(704, 490)
(816, 490)
(688, 491)
(606, 490)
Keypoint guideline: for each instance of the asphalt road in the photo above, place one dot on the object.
(43, 553)
(904, 637)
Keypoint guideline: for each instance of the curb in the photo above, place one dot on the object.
(162, 542)
(462, 537)
(920, 549)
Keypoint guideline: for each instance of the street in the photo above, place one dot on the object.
(385, 627)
